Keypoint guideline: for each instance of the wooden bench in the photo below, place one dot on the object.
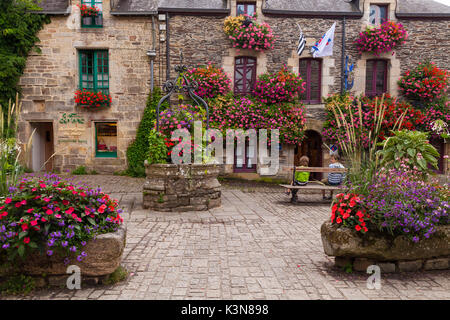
(313, 185)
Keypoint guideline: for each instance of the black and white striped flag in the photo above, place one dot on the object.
(301, 41)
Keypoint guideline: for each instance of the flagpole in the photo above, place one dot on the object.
(343, 56)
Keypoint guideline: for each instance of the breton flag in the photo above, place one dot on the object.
(301, 41)
(324, 47)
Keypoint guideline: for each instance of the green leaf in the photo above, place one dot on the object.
(411, 152)
(32, 244)
(21, 250)
(92, 221)
(23, 234)
(422, 163)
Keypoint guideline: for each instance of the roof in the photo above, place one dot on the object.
(307, 7)
(194, 6)
(134, 7)
(54, 6)
(422, 8)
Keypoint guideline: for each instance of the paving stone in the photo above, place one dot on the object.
(278, 255)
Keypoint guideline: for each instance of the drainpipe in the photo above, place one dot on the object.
(343, 57)
(167, 47)
(152, 54)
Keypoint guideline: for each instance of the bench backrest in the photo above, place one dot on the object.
(319, 169)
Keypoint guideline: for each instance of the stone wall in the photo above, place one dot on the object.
(52, 77)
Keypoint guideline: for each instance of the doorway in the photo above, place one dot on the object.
(42, 146)
(312, 148)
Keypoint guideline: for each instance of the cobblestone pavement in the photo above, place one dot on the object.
(256, 246)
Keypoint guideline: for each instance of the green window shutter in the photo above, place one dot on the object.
(94, 70)
(93, 22)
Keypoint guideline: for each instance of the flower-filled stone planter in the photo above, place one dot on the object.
(181, 187)
(245, 33)
(92, 100)
(48, 223)
(383, 39)
(392, 254)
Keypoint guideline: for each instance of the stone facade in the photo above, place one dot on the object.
(52, 77)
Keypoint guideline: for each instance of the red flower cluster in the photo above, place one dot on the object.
(89, 99)
(88, 11)
(348, 211)
(425, 83)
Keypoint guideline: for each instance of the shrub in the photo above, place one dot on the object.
(401, 204)
(19, 28)
(91, 99)
(425, 83)
(282, 86)
(412, 147)
(80, 170)
(348, 211)
(157, 151)
(138, 150)
(258, 37)
(382, 39)
(54, 216)
(212, 81)
(246, 113)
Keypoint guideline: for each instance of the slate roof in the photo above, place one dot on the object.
(316, 7)
(134, 7)
(424, 8)
(54, 6)
(193, 5)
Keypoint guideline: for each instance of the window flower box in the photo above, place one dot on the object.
(92, 99)
(89, 11)
(383, 39)
(245, 33)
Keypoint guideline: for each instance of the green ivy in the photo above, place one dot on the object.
(18, 36)
(157, 151)
(138, 150)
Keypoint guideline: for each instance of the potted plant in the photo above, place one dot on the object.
(382, 39)
(91, 99)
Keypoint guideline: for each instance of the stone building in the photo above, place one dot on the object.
(142, 41)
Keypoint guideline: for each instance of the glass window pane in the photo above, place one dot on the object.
(240, 9)
(369, 76)
(251, 9)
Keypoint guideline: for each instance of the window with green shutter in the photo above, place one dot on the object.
(89, 21)
(94, 70)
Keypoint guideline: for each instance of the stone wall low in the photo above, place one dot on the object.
(184, 187)
(391, 254)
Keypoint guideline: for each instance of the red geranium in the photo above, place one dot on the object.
(88, 11)
(348, 211)
(92, 100)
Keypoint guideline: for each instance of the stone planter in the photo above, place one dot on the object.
(391, 254)
(184, 187)
(104, 255)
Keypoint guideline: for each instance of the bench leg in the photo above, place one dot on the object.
(294, 195)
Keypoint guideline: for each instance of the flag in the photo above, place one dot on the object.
(324, 47)
(301, 42)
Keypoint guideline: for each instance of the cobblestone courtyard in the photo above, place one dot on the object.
(255, 246)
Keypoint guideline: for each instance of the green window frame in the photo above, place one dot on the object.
(105, 153)
(94, 70)
(93, 22)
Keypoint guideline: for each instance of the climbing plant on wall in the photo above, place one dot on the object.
(18, 36)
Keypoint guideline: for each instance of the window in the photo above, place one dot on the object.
(378, 14)
(243, 157)
(106, 139)
(244, 75)
(311, 72)
(376, 77)
(248, 8)
(93, 22)
(94, 70)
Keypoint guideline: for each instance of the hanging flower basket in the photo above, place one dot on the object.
(91, 99)
(88, 11)
(245, 33)
(382, 39)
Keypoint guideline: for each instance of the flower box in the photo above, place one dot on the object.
(245, 33)
(382, 39)
(91, 99)
(88, 11)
